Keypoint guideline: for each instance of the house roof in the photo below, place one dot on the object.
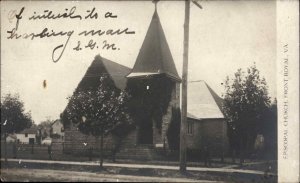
(155, 56)
(58, 120)
(203, 102)
(13, 136)
(101, 66)
(32, 130)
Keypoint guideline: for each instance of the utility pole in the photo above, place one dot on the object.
(184, 88)
(182, 166)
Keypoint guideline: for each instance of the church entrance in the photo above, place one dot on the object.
(151, 97)
(145, 132)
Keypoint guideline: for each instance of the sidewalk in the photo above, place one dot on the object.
(143, 166)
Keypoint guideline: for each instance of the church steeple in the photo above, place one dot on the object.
(155, 56)
(155, 3)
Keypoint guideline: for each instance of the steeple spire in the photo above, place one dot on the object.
(155, 56)
(155, 3)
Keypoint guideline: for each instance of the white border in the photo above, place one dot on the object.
(288, 81)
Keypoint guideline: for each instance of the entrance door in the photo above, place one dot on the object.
(31, 140)
(146, 132)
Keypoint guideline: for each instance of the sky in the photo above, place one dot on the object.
(224, 36)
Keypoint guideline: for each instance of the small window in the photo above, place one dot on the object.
(26, 134)
(190, 128)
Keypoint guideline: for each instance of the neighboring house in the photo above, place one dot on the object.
(11, 138)
(154, 63)
(57, 129)
(46, 141)
(206, 125)
(27, 136)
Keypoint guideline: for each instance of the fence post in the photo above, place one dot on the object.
(90, 153)
(32, 146)
(49, 152)
(15, 150)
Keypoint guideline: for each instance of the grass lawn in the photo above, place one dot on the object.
(214, 176)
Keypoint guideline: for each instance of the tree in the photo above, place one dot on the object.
(45, 128)
(13, 117)
(98, 110)
(269, 131)
(246, 101)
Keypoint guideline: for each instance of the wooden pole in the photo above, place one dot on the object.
(184, 89)
(101, 148)
(101, 151)
(5, 147)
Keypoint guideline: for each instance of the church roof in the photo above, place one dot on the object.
(155, 56)
(203, 102)
(101, 66)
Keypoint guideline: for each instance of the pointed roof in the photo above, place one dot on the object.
(203, 102)
(102, 66)
(56, 121)
(99, 67)
(155, 55)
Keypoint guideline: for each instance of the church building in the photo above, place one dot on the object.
(155, 88)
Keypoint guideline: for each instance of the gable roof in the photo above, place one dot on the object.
(203, 102)
(101, 66)
(155, 56)
(13, 136)
(56, 121)
(32, 130)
